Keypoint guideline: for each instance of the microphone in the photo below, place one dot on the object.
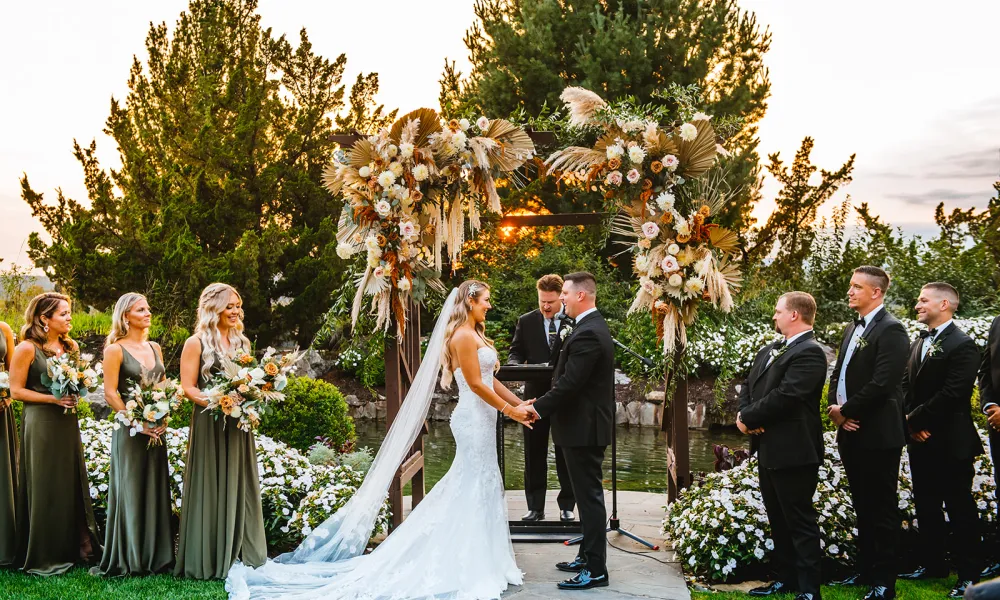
(561, 315)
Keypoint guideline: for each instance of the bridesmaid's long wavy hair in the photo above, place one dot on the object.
(468, 291)
(43, 305)
(212, 302)
(119, 320)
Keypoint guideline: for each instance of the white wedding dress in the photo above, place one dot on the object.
(455, 545)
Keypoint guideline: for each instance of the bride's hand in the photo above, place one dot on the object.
(522, 414)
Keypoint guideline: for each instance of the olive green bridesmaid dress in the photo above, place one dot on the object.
(53, 493)
(8, 473)
(137, 537)
(221, 515)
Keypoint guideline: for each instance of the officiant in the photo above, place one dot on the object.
(536, 341)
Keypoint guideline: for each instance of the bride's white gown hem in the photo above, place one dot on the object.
(455, 544)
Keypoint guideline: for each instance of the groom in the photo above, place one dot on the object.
(582, 407)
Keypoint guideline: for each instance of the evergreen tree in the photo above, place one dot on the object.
(790, 230)
(223, 137)
(363, 116)
(524, 52)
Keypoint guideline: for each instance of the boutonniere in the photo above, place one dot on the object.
(934, 349)
(777, 352)
(862, 343)
(565, 331)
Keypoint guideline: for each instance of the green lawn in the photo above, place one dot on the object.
(932, 589)
(80, 585)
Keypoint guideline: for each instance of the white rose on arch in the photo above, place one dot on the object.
(345, 250)
(650, 229)
(382, 207)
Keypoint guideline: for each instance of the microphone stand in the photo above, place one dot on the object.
(614, 524)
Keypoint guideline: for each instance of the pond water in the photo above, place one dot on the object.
(642, 462)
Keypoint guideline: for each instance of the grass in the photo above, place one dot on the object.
(78, 584)
(931, 589)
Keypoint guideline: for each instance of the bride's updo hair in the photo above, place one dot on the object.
(468, 291)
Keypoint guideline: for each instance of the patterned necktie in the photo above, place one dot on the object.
(552, 333)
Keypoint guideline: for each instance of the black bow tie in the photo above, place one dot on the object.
(570, 321)
(928, 333)
(859, 323)
(780, 344)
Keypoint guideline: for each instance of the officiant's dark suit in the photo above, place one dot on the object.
(537, 341)
(581, 407)
(938, 389)
(782, 395)
(871, 455)
(989, 395)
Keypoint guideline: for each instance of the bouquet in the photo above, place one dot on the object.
(148, 405)
(71, 374)
(4, 387)
(246, 386)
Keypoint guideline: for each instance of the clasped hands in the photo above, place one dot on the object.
(993, 416)
(524, 413)
(746, 430)
(840, 420)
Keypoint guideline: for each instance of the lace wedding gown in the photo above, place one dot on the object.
(455, 545)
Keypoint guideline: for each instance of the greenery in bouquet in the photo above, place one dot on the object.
(148, 405)
(71, 374)
(408, 192)
(245, 386)
(656, 173)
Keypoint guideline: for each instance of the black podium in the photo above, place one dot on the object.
(530, 531)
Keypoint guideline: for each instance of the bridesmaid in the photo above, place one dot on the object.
(8, 458)
(221, 516)
(55, 520)
(137, 538)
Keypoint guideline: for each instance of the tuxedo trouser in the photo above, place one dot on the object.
(788, 499)
(536, 469)
(945, 480)
(584, 466)
(873, 477)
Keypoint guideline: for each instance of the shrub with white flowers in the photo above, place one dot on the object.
(289, 484)
(721, 525)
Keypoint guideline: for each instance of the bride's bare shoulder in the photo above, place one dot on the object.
(464, 340)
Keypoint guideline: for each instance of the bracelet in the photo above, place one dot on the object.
(504, 408)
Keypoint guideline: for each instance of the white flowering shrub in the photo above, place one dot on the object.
(721, 526)
(978, 329)
(290, 486)
(731, 347)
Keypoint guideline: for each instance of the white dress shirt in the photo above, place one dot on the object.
(580, 316)
(788, 342)
(851, 347)
(928, 341)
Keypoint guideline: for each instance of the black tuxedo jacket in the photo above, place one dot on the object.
(784, 398)
(874, 384)
(937, 395)
(531, 346)
(581, 402)
(989, 370)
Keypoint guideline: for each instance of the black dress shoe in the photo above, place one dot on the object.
(880, 592)
(533, 515)
(807, 596)
(991, 571)
(959, 590)
(924, 573)
(566, 515)
(854, 579)
(584, 581)
(574, 566)
(775, 587)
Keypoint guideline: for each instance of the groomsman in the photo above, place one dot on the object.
(536, 341)
(865, 403)
(780, 407)
(989, 399)
(943, 443)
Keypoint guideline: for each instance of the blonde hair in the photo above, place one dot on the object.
(119, 320)
(212, 302)
(467, 292)
(43, 305)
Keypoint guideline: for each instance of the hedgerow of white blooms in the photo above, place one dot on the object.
(978, 329)
(732, 347)
(289, 484)
(721, 525)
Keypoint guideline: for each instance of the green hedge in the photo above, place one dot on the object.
(311, 408)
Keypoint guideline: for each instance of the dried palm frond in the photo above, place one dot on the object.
(575, 158)
(698, 155)
(428, 124)
(361, 154)
(347, 228)
(481, 147)
(626, 225)
(333, 179)
(724, 239)
(513, 145)
(660, 145)
(582, 105)
(731, 271)
(609, 139)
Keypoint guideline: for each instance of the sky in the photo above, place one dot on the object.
(912, 87)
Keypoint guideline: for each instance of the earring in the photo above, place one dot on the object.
(45, 328)
(126, 326)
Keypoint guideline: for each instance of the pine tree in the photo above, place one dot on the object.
(524, 52)
(223, 137)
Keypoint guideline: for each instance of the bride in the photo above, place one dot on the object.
(455, 544)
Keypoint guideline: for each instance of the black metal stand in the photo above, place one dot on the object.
(614, 524)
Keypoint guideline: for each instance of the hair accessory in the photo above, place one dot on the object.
(474, 289)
